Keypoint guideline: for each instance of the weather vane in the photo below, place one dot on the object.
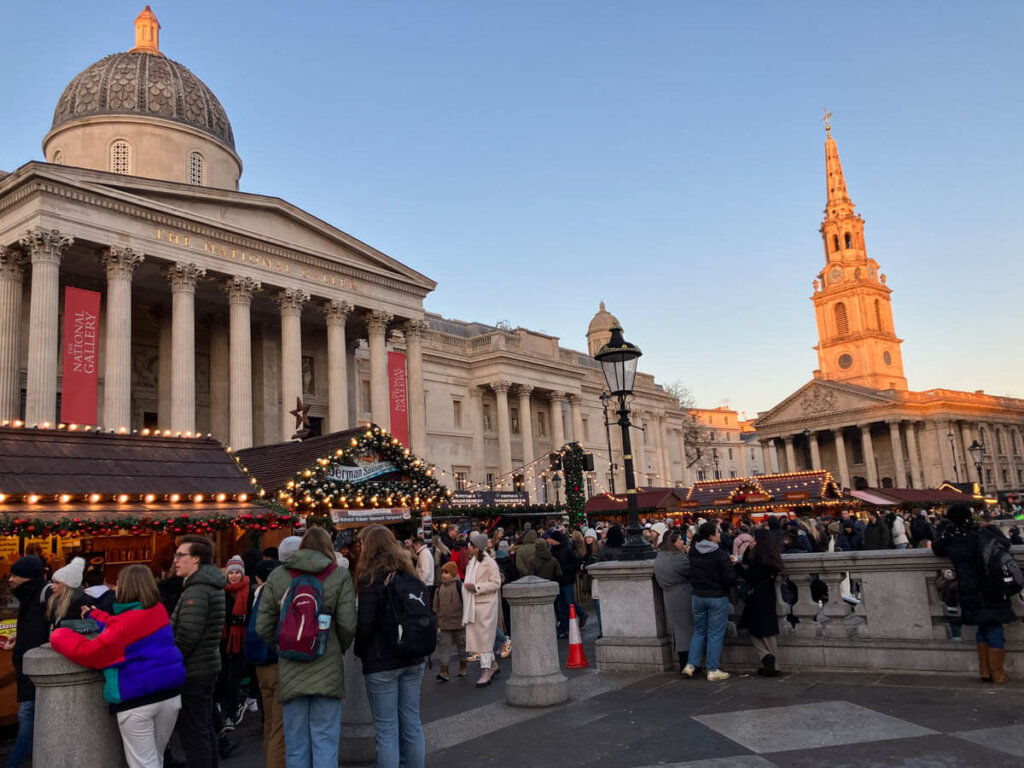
(828, 128)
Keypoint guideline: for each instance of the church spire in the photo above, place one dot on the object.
(838, 199)
(147, 33)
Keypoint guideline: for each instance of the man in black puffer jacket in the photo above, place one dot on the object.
(562, 550)
(712, 575)
(198, 622)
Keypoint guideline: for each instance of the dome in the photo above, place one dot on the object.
(144, 83)
(603, 321)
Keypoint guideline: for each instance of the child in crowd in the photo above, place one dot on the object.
(451, 636)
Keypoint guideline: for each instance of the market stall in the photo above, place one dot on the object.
(813, 492)
(652, 502)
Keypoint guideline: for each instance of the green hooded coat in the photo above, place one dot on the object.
(198, 621)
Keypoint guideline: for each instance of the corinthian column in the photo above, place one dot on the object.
(869, 455)
(899, 469)
(12, 275)
(790, 455)
(183, 278)
(240, 291)
(45, 247)
(476, 417)
(414, 330)
(844, 466)
(337, 313)
(117, 369)
(526, 422)
(377, 328)
(915, 465)
(557, 423)
(504, 428)
(815, 451)
(290, 300)
(576, 411)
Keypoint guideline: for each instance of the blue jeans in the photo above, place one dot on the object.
(990, 634)
(312, 726)
(566, 596)
(900, 546)
(395, 702)
(23, 741)
(499, 642)
(710, 618)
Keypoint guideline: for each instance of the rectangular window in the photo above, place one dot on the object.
(701, 474)
(460, 479)
(732, 473)
(364, 396)
(752, 456)
(519, 482)
(730, 454)
(490, 481)
(457, 413)
(718, 474)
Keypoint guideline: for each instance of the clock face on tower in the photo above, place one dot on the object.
(836, 275)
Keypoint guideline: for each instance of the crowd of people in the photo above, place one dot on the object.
(186, 658)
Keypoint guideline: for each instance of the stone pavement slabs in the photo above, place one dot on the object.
(927, 752)
(739, 761)
(1009, 739)
(808, 726)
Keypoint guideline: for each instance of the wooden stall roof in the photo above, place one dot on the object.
(647, 498)
(52, 461)
(896, 496)
(274, 465)
(810, 486)
(108, 510)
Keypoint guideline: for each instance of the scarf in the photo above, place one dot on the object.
(235, 626)
(469, 598)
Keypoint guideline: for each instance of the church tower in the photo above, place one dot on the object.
(857, 342)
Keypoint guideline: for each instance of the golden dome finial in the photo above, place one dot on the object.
(147, 33)
(828, 128)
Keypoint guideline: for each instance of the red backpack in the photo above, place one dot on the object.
(302, 627)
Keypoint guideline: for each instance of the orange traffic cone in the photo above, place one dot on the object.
(577, 659)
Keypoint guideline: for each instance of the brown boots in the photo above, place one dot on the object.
(463, 670)
(442, 676)
(996, 657)
(983, 650)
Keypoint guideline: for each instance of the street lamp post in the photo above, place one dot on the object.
(605, 397)
(556, 482)
(714, 455)
(977, 451)
(618, 359)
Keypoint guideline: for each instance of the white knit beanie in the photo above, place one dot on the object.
(71, 574)
(286, 547)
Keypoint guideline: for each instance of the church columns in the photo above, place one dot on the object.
(790, 455)
(780, 458)
(526, 422)
(476, 418)
(557, 422)
(336, 313)
(869, 455)
(414, 330)
(12, 276)
(844, 465)
(240, 291)
(915, 465)
(45, 248)
(897, 454)
(812, 438)
(377, 322)
(117, 370)
(575, 403)
(291, 301)
(766, 456)
(183, 278)
(504, 430)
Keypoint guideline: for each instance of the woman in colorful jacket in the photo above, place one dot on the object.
(143, 668)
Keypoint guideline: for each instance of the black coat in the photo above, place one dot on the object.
(981, 599)
(877, 535)
(759, 611)
(711, 573)
(370, 644)
(566, 557)
(33, 631)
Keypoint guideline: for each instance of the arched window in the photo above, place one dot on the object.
(58, 157)
(849, 240)
(878, 314)
(835, 242)
(842, 322)
(120, 157)
(195, 169)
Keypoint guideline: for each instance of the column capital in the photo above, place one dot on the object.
(501, 385)
(336, 311)
(575, 399)
(865, 426)
(415, 328)
(556, 397)
(291, 301)
(524, 390)
(120, 262)
(183, 276)
(45, 245)
(240, 289)
(12, 264)
(476, 392)
(893, 422)
(788, 439)
(377, 320)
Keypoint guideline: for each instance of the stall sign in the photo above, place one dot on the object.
(489, 499)
(689, 504)
(721, 502)
(398, 397)
(8, 548)
(360, 473)
(385, 515)
(750, 498)
(797, 496)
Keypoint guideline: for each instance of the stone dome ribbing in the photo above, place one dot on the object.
(144, 85)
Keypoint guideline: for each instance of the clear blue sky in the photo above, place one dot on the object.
(538, 156)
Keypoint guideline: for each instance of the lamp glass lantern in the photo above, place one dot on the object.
(977, 451)
(618, 359)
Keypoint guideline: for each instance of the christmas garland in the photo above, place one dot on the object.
(410, 484)
(573, 461)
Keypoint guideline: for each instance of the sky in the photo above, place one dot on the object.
(538, 157)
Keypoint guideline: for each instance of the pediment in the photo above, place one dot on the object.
(258, 218)
(820, 399)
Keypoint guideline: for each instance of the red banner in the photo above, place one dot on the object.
(398, 397)
(81, 362)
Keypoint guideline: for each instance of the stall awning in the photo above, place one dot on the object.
(665, 499)
(889, 497)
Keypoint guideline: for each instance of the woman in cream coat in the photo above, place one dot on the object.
(480, 603)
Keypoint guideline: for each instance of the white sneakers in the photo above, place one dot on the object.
(688, 670)
(716, 675)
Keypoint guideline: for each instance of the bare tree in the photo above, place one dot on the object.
(696, 434)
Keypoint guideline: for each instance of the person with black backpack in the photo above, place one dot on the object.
(396, 632)
(307, 614)
(984, 596)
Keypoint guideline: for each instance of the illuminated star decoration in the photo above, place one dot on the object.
(302, 430)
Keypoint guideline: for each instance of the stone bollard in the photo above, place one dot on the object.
(537, 680)
(357, 745)
(72, 724)
(634, 638)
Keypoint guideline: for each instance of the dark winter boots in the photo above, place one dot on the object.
(983, 663)
(684, 656)
(768, 667)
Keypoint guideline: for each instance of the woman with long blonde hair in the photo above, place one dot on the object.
(64, 596)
